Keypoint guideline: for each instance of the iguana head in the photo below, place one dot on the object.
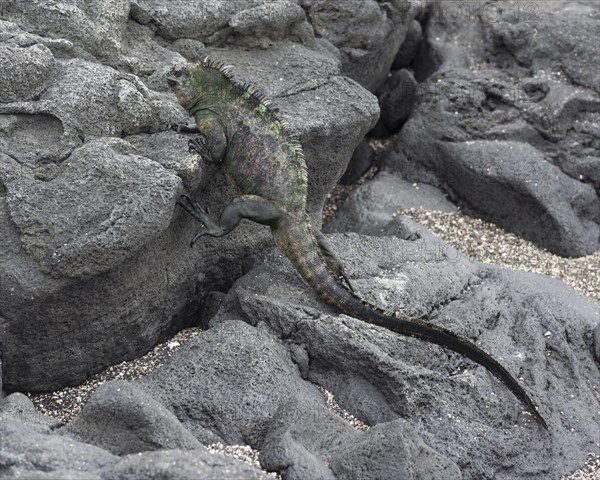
(200, 85)
(179, 79)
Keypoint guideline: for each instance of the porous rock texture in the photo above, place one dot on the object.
(507, 117)
(250, 379)
(96, 266)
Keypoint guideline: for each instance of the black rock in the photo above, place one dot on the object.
(536, 327)
(226, 384)
(314, 443)
(596, 343)
(28, 453)
(373, 205)
(410, 46)
(181, 465)
(397, 98)
(362, 159)
(121, 418)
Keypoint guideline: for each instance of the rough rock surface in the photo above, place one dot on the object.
(367, 33)
(507, 121)
(226, 385)
(91, 239)
(123, 419)
(314, 443)
(87, 174)
(27, 453)
(362, 159)
(374, 205)
(534, 324)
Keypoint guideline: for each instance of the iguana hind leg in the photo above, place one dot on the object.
(251, 207)
(334, 264)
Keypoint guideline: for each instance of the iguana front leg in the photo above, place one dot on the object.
(211, 144)
(251, 207)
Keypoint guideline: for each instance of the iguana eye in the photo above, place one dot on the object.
(178, 73)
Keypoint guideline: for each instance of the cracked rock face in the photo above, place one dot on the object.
(250, 379)
(92, 241)
(507, 118)
(96, 266)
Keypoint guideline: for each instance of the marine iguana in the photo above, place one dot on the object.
(264, 162)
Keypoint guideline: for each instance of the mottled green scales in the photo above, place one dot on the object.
(263, 161)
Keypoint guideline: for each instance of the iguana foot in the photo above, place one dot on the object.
(198, 145)
(202, 214)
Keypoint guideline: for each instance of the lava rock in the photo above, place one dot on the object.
(397, 98)
(227, 384)
(368, 34)
(596, 342)
(27, 453)
(532, 130)
(458, 408)
(410, 46)
(20, 408)
(314, 443)
(362, 159)
(34, 67)
(181, 465)
(372, 206)
(77, 235)
(121, 418)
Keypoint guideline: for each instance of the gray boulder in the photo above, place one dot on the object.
(33, 455)
(507, 123)
(314, 443)
(180, 465)
(27, 453)
(19, 407)
(90, 183)
(410, 47)
(226, 385)
(34, 67)
(121, 418)
(368, 34)
(375, 204)
(536, 326)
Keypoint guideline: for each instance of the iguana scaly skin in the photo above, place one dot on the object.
(263, 161)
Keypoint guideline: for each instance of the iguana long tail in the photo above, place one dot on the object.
(296, 239)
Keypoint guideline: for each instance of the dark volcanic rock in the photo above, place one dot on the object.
(33, 455)
(368, 34)
(392, 450)
(91, 239)
(373, 205)
(362, 159)
(34, 67)
(20, 408)
(180, 465)
(397, 98)
(27, 453)
(316, 444)
(410, 46)
(121, 418)
(226, 384)
(535, 325)
(508, 123)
